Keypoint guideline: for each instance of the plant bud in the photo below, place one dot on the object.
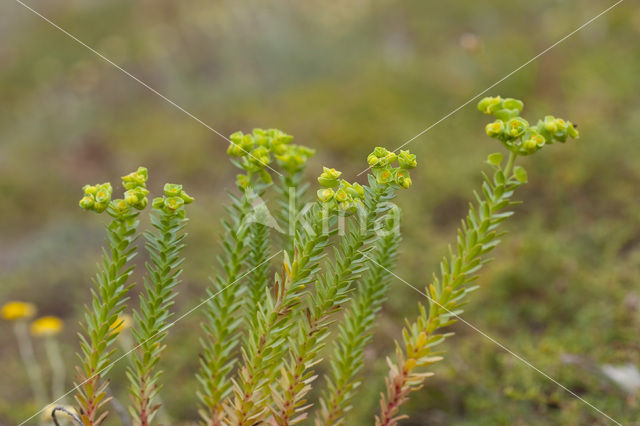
(513, 104)
(329, 177)
(173, 203)
(550, 124)
(119, 207)
(172, 189)
(571, 130)
(341, 195)
(495, 129)
(158, 203)
(383, 175)
(489, 104)
(86, 202)
(325, 195)
(242, 181)
(516, 127)
(529, 146)
(90, 189)
(406, 160)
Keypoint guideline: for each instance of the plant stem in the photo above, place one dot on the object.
(57, 366)
(34, 373)
(510, 162)
(331, 292)
(476, 238)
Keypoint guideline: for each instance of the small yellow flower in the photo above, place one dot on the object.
(15, 310)
(124, 322)
(46, 326)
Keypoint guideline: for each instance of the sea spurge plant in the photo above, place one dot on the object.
(332, 288)
(516, 134)
(164, 245)
(245, 248)
(110, 291)
(477, 236)
(270, 325)
(355, 329)
(264, 333)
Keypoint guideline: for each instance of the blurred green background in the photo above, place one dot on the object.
(343, 77)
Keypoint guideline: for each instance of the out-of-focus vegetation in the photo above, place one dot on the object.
(343, 77)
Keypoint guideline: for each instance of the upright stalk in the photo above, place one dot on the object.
(164, 245)
(355, 330)
(272, 322)
(331, 292)
(34, 373)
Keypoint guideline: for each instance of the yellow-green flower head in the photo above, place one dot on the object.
(46, 326)
(96, 197)
(242, 182)
(240, 145)
(402, 178)
(406, 160)
(137, 197)
(383, 175)
(294, 157)
(495, 129)
(135, 179)
(342, 195)
(16, 310)
(513, 104)
(556, 129)
(381, 157)
(516, 127)
(503, 109)
(490, 104)
(119, 207)
(325, 195)
(258, 159)
(173, 203)
(533, 143)
(550, 124)
(278, 137)
(330, 178)
(174, 198)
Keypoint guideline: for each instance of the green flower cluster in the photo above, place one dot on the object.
(516, 134)
(381, 162)
(338, 194)
(172, 201)
(255, 150)
(97, 198)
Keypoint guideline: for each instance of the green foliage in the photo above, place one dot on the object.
(355, 330)
(270, 327)
(164, 245)
(224, 300)
(283, 327)
(108, 297)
